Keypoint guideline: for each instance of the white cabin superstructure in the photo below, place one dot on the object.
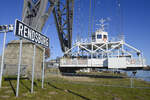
(100, 37)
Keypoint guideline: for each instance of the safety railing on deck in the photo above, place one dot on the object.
(75, 61)
(135, 61)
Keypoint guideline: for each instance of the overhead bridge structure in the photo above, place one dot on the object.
(100, 52)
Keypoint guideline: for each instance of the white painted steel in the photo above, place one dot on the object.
(43, 68)
(117, 62)
(2, 62)
(33, 64)
(18, 77)
(115, 53)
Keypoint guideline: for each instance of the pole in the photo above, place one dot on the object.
(92, 55)
(78, 55)
(33, 64)
(131, 82)
(18, 77)
(122, 49)
(2, 62)
(118, 53)
(107, 50)
(43, 69)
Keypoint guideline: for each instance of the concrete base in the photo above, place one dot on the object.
(12, 56)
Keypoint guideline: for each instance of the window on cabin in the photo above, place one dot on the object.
(105, 36)
(99, 36)
(93, 38)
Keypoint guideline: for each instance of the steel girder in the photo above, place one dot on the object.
(63, 15)
(35, 14)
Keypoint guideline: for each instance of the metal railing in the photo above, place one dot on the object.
(75, 61)
(133, 62)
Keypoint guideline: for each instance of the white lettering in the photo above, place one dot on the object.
(20, 29)
(36, 37)
(25, 31)
(39, 39)
(29, 33)
(47, 42)
(33, 35)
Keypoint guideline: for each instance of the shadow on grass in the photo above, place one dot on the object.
(25, 85)
(14, 91)
(69, 91)
(14, 78)
(34, 83)
(9, 79)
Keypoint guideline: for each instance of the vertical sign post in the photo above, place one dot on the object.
(2, 62)
(18, 77)
(43, 68)
(26, 32)
(33, 64)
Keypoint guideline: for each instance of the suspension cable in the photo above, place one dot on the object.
(89, 24)
(78, 19)
(93, 17)
(120, 18)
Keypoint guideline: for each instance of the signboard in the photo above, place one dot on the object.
(24, 31)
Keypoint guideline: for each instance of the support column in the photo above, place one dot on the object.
(122, 48)
(118, 53)
(92, 55)
(19, 64)
(107, 50)
(141, 59)
(33, 64)
(43, 69)
(2, 61)
(78, 54)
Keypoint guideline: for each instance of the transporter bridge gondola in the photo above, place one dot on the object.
(102, 52)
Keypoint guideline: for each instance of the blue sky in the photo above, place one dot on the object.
(135, 17)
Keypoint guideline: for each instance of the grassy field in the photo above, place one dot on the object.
(59, 87)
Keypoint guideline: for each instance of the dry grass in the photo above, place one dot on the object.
(69, 78)
(79, 79)
(59, 87)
